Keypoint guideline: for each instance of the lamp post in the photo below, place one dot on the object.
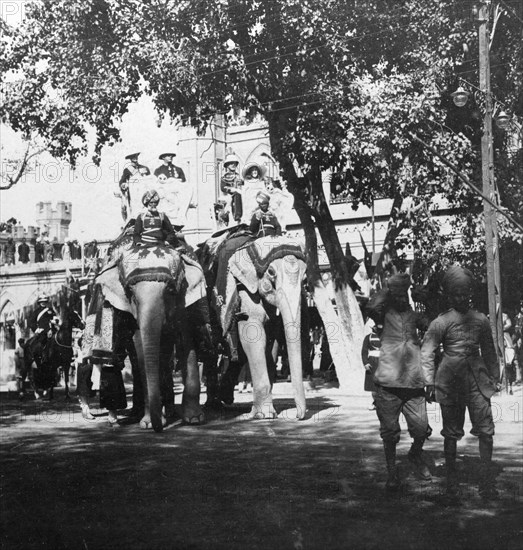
(460, 97)
(489, 189)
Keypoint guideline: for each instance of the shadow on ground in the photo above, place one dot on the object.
(232, 484)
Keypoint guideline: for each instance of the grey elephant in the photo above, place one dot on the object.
(156, 285)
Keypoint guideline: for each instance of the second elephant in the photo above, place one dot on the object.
(265, 276)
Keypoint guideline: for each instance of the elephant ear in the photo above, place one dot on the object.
(113, 289)
(196, 289)
(242, 269)
(250, 262)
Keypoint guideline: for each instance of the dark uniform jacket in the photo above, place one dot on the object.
(230, 181)
(41, 318)
(153, 228)
(127, 174)
(464, 336)
(264, 224)
(130, 172)
(170, 171)
(23, 252)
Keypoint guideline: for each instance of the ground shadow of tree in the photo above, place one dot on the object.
(279, 483)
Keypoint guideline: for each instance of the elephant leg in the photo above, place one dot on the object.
(138, 391)
(191, 410)
(145, 422)
(253, 340)
(166, 374)
(269, 351)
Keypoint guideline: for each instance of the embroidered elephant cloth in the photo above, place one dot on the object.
(151, 263)
(248, 264)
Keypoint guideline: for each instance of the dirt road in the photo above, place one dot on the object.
(233, 484)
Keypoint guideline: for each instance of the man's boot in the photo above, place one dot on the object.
(450, 446)
(393, 481)
(487, 488)
(415, 456)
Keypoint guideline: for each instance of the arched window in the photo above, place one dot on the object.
(7, 327)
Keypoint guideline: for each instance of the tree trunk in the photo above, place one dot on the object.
(349, 313)
(345, 328)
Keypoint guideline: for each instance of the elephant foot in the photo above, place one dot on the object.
(86, 413)
(146, 424)
(192, 414)
(194, 420)
(260, 414)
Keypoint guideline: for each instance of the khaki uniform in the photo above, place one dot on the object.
(465, 378)
(399, 378)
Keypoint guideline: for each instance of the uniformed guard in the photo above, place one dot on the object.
(264, 222)
(231, 184)
(23, 251)
(168, 169)
(467, 376)
(400, 385)
(41, 323)
(133, 170)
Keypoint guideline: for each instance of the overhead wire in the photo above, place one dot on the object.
(512, 11)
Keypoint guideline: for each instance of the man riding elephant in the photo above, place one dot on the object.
(150, 275)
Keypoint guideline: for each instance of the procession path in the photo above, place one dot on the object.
(68, 483)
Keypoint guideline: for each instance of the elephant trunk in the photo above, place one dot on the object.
(291, 316)
(151, 314)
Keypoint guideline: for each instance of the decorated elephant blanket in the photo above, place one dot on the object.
(97, 340)
(248, 264)
(151, 263)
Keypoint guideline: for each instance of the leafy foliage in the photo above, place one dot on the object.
(343, 86)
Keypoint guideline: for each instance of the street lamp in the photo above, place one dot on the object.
(460, 97)
(503, 120)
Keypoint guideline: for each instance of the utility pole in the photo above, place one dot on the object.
(489, 188)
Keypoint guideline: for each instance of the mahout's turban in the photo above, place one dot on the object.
(150, 196)
(262, 197)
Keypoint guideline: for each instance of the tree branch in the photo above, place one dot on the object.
(468, 183)
(13, 180)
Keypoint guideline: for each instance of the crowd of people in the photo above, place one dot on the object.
(45, 250)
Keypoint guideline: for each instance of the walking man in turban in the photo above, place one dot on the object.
(466, 377)
(400, 385)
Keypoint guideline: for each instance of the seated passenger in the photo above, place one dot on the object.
(264, 222)
(153, 227)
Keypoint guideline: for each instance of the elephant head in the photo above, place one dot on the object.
(274, 269)
(152, 283)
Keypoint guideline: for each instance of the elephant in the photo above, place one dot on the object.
(264, 276)
(156, 285)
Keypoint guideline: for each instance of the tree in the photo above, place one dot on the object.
(13, 170)
(342, 86)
